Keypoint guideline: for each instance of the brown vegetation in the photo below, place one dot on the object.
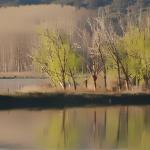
(18, 27)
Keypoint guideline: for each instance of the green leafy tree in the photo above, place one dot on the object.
(136, 44)
(56, 57)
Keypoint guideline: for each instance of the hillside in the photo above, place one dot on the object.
(122, 4)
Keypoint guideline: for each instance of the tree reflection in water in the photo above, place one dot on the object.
(99, 128)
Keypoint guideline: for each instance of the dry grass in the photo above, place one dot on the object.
(20, 74)
(48, 90)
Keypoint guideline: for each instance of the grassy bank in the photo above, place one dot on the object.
(63, 100)
(20, 75)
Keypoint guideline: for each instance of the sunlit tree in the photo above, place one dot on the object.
(136, 44)
(56, 57)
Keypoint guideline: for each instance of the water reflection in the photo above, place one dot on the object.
(82, 128)
(13, 85)
(99, 128)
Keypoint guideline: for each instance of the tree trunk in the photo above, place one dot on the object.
(86, 83)
(105, 77)
(63, 81)
(95, 81)
(64, 85)
(125, 71)
(119, 64)
(73, 79)
(119, 76)
(146, 82)
(74, 84)
(95, 85)
(127, 81)
(138, 82)
(134, 81)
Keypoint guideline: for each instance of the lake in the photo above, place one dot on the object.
(16, 84)
(121, 128)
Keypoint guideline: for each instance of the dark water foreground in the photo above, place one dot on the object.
(75, 122)
(103, 128)
(45, 101)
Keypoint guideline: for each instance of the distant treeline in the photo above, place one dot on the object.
(123, 4)
(18, 31)
(18, 40)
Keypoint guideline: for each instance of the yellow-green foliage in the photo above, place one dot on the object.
(112, 126)
(135, 127)
(55, 55)
(58, 138)
(135, 50)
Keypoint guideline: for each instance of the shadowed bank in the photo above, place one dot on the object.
(61, 100)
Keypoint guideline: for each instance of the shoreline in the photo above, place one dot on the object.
(42, 101)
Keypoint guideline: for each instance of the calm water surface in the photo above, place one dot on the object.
(13, 85)
(82, 128)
